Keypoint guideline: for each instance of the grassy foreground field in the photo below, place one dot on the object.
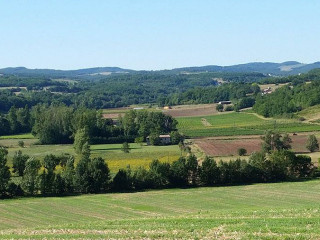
(264, 211)
(233, 124)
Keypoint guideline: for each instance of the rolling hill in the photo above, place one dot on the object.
(268, 68)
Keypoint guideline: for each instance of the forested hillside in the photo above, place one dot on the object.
(163, 88)
(289, 99)
(114, 91)
(269, 68)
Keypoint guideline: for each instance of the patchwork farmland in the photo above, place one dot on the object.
(234, 124)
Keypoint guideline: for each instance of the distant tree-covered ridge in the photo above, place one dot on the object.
(162, 89)
(110, 91)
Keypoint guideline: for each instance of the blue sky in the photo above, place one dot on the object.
(154, 34)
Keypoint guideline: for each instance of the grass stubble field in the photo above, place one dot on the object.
(260, 211)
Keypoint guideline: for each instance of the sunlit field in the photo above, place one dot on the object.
(267, 211)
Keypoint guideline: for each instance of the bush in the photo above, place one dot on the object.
(242, 151)
(219, 107)
(125, 147)
(312, 143)
(21, 143)
(229, 108)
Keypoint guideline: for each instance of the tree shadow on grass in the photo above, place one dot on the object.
(110, 149)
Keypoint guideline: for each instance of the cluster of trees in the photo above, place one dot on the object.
(141, 124)
(18, 120)
(33, 176)
(62, 124)
(288, 99)
(225, 92)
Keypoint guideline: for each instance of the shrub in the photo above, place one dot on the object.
(21, 143)
(219, 107)
(242, 151)
(125, 147)
(312, 143)
(229, 108)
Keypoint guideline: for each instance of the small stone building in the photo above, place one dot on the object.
(164, 139)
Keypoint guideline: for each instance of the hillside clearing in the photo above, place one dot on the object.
(310, 114)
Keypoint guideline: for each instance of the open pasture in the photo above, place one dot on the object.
(233, 124)
(138, 156)
(259, 211)
(311, 114)
(272, 86)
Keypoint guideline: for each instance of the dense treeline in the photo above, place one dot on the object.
(111, 91)
(92, 175)
(288, 99)
(225, 92)
(59, 124)
(29, 82)
(18, 120)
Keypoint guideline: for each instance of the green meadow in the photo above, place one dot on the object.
(260, 211)
(233, 124)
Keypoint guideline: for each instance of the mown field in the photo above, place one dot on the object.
(260, 211)
(233, 124)
(112, 153)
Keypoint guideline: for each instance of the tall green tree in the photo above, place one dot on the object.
(30, 179)
(100, 175)
(83, 178)
(275, 141)
(68, 175)
(209, 172)
(81, 137)
(19, 162)
(312, 143)
(192, 168)
(4, 172)
(13, 120)
(53, 124)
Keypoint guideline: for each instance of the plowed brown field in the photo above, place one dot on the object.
(192, 110)
(228, 146)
